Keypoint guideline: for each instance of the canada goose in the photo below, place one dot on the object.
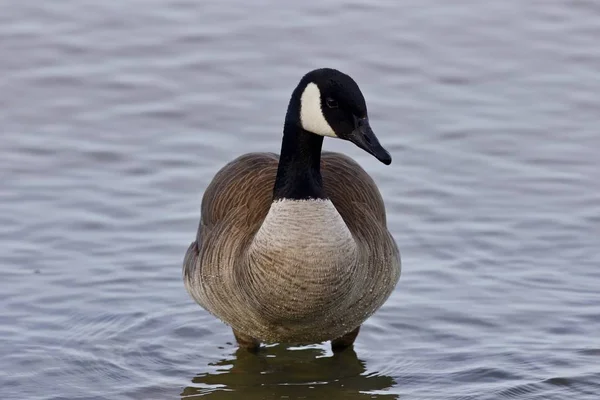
(295, 248)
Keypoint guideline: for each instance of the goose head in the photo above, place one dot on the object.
(331, 104)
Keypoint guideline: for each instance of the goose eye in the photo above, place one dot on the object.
(331, 103)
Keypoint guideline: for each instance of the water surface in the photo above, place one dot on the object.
(115, 115)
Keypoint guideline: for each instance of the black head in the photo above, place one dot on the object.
(331, 104)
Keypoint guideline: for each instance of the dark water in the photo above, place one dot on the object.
(115, 115)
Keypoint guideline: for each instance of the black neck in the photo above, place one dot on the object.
(299, 171)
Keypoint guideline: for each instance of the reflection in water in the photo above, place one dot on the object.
(277, 372)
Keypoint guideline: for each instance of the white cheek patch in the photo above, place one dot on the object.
(311, 115)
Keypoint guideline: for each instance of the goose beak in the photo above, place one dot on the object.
(363, 137)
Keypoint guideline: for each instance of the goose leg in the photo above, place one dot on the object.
(345, 341)
(245, 341)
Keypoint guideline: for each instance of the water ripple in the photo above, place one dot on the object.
(116, 115)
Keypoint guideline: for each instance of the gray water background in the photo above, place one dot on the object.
(115, 115)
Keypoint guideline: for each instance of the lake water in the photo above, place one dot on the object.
(115, 115)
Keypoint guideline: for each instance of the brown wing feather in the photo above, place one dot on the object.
(245, 182)
(348, 185)
(243, 189)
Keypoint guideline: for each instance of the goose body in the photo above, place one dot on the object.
(294, 248)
